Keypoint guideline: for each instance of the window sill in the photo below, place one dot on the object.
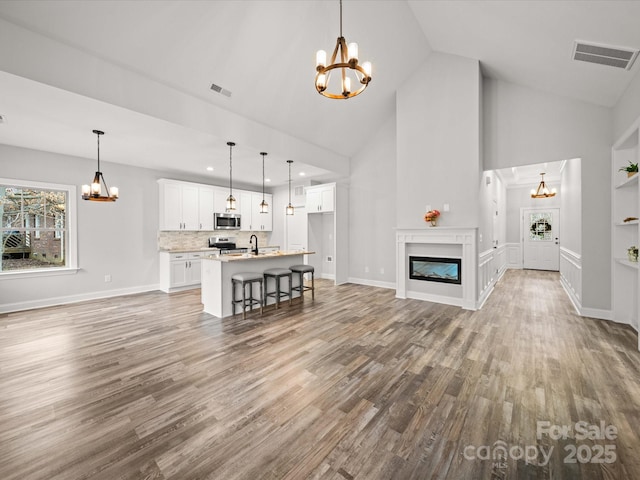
(41, 272)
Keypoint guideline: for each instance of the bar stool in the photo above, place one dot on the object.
(277, 274)
(301, 270)
(244, 279)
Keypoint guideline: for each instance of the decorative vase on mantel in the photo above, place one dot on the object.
(431, 217)
(434, 221)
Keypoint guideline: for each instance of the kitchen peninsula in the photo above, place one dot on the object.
(218, 269)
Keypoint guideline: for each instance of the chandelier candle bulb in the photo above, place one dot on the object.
(321, 59)
(353, 52)
(95, 189)
(113, 191)
(346, 88)
(366, 66)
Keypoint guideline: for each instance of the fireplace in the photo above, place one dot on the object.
(436, 269)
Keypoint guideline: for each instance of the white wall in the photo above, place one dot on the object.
(438, 142)
(525, 126)
(493, 197)
(372, 203)
(627, 110)
(118, 239)
(571, 205)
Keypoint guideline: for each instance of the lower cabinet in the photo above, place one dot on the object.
(180, 271)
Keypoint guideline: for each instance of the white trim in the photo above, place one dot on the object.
(430, 297)
(37, 272)
(600, 314)
(372, 283)
(72, 221)
(50, 302)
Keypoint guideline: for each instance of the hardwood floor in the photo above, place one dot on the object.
(356, 385)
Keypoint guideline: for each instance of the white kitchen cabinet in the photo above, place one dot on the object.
(205, 207)
(320, 198)
(180, 271)
(178, 205)
(251, 218)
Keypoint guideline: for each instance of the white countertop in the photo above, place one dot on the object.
(236, 257)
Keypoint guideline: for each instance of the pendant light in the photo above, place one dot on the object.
(94, 192)
(264, 206)
(348, 65)
(289, 209)
(542, 191)
(231, 202)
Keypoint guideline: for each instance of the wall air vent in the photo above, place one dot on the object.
(220, 90)
(620, 57)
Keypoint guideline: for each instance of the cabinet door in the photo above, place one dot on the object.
(179, 272)
(171, 206)
(205, 208)
(220, 199)
(246, 212)
(326, 199)
(190, 217)
(314, 200)
(194, 272)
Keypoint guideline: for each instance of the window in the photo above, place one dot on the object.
(35, 231)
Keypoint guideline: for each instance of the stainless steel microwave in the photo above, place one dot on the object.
(226, 221)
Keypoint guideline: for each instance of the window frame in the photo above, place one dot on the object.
(72, 229)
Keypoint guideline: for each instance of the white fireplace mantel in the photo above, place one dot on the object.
(466, 237)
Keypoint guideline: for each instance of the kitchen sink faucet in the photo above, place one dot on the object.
(254, 250)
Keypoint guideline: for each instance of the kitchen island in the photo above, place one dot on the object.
(218, 269)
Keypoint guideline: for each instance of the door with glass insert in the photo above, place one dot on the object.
(541, 239)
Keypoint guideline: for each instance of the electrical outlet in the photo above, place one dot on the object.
(427, 208)
(107, 278)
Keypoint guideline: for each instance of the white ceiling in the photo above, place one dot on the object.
(263, 52)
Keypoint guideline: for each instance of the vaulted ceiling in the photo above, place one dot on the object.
(263, 52)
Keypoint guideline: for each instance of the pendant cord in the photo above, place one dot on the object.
(340, 18)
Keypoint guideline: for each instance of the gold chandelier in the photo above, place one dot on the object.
(348, 65)
(94, 191)
(543, 191)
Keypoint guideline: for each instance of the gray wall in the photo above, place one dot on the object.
(119, 239)
(438, 142)
(571, 206)
(524, 126)
(627, 110)
(372, 203)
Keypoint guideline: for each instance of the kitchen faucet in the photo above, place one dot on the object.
(254, 250)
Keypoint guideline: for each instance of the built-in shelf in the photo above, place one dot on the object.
(627, 263)
(632, 222)
(628, 181)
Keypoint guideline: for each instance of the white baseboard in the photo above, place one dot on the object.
(429, 297)
(53, 301)
(372, 283)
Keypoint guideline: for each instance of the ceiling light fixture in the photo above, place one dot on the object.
(348, 65)
(231, 202)
(264, 206)
(289, 208)
(542, 191)
(94, 192)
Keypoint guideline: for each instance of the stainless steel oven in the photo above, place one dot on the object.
(226, 221)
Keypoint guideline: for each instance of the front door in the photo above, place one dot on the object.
(540, 238)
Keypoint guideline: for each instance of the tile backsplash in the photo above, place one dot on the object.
(198, 240)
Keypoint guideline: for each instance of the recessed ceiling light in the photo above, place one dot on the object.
(302, 174)
(209, 169)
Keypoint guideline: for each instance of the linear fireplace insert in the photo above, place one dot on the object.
(435, 269)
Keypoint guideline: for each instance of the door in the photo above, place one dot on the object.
(540, 238)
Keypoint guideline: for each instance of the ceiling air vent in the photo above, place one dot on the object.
(219, 89)
(620, 57)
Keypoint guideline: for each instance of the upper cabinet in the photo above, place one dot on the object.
(320, 198)
(178, 205)
(252, 219)
(191, 206)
